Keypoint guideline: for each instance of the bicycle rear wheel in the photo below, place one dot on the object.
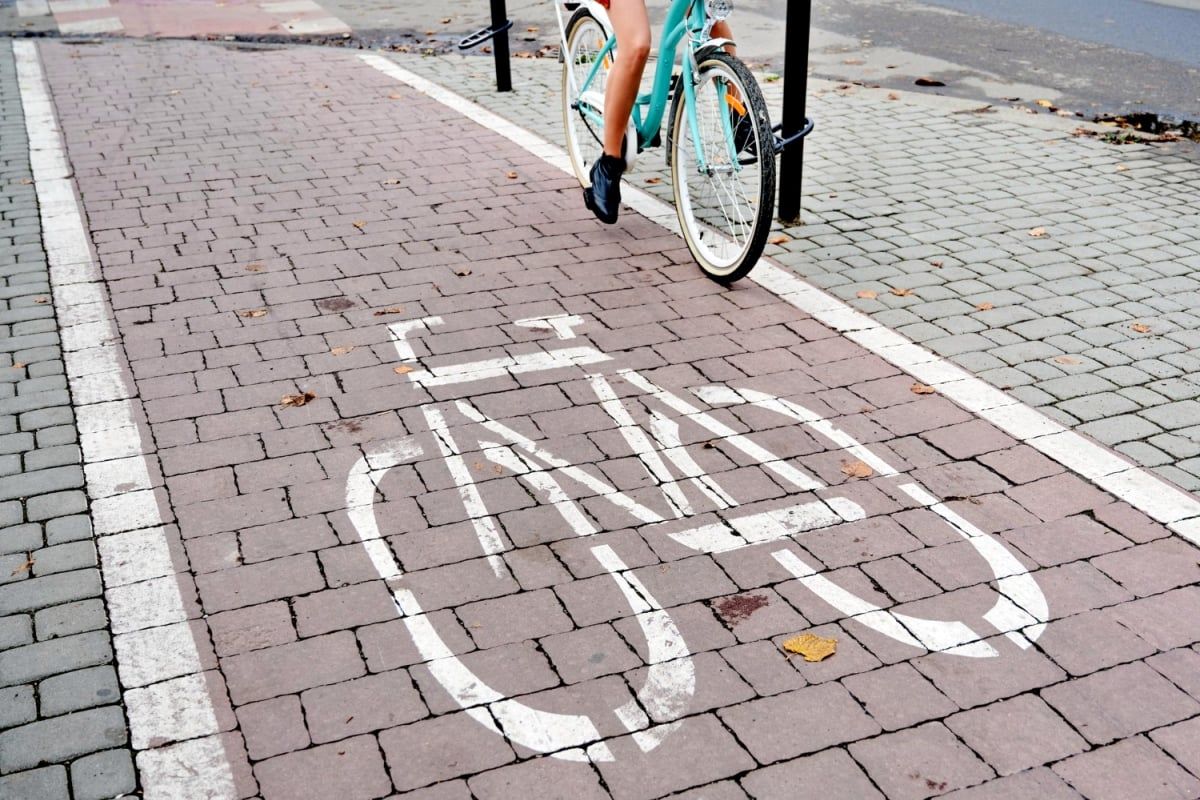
(723, 173)
(583, 112)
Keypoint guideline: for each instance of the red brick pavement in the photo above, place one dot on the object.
(305, 183)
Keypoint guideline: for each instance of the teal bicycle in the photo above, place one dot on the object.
(720, 145)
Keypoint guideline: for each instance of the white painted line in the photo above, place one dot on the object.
(1162, 501)
(33, 8)
(291, 7)
(313, 26)
(102, 25)
(145, 607)
(71, 6)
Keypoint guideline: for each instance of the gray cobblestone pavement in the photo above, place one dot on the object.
(62, 728)
(919, 194)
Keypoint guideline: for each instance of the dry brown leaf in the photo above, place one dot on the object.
(403, 369)
(391, 182)
(1044, 103)
(1067, 360)
(921, 388)
(446, 20)
(893, 96)
(984, 307)
(928, 82)
(653, 180)
(782, 238)
(1122, 167)
(26, 181)
(297, 400)
(341, 351)
(854, 62)
(901, 292)
(255, 267)
(936, 264)
(19, 365)
(462, 273)
(857, 469)
(41, 301)
(512, 174)
(811, 646)
(1037, 233)
(253, 313)
(383, 312)
(1140, 327)
(395, 96)
(358, 223)
(867, 294)
(28, 565)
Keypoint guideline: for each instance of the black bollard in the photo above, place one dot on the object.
(795, 93)
(500, 24)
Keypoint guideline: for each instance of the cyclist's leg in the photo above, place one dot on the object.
(632, 27)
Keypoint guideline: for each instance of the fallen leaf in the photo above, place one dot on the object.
(253, 313)
(853, 61)
(1122, 168)
(392, 182)
(26, 181)
(921, 388)
(1013, 99)
(1140, 328)
(782, 238)
(255, 267)
(395, 96)
(984, 307)
(1067, 360)
(446, 20)
(297, 400)
(867, 294)
(936, 264)
(389, 310)
(403, 369)
(41, 301)
(857, 469)
(771, 77)
(341, 351)
(359, 224)
(28, 565)
(1038, 233)
(18, 365)
(901, 292)
(811, 646)
(532, 29)
(893, 96)
(462, 273)
(1044, 103)
(512, 174)
(928, 82)
(653, 180)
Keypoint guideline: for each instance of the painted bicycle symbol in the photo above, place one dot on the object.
(1019, 611)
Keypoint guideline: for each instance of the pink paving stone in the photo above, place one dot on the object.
(1070, 539)
(1133, 768)
(717, 686)
(1181, 667)
(259, 583)
(926, 761)
(274, 671)
(865, 540)
(348, 770)
(512, 669)
(1120, 702)
(1021, 464)
(1091, 641)
(1152, 568)
(898, 697)
(725, 790)
(543, 777)
(1077, 587)
(700, 751)
(272, 727)
(1132, 524)
(528, 615)
(1017, 734)
(759, 614)
(358, 706)
(766, 669)
(969, 439)
(700, 628)
(251, 628)
(448, 790)
(771, 727)
(536, 568)
(972, 682)
(348, 607)
(444, 747)
(830, 775)
(900, 580)
(1165, 621)
(1181, 742)
(389, 645)
(587, 653)
(851, 657)
(1059, 496)
(1040, 783)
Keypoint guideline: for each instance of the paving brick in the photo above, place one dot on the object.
(587, 653)
(70, 618)
(17, 706)
(1130, 768)
(366, 704)
(259, 583)
(504, 620)
(441, 748)
(47, 783)
(62, 738)
(288, 668)
(1152, 568)
(829, 775)
(1120, 702)
(103, 775)
(920, 762)
(977, 681)
(272, 727)
(1041, 783)
(1017, 734)
(352, 769)
(898, 696)
(539, 777)
(43, 659)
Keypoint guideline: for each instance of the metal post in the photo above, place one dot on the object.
(500, 46)
(795, 92)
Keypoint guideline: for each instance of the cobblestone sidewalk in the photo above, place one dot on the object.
(442, 476)
(62, 727)
(926, 195)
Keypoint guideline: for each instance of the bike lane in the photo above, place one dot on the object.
(541, 489)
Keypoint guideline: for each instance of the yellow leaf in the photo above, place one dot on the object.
(1067, 360)
(1044, 103)
(512, 174)
(358, 223)
(28, 565)
(867, 294)
(1037, 233)
(856, 469)
(296, 400)
(253, 313)
(811, 646)
(1122, 168)
(403, 369)
(653, 180)
(18, 365)
(462, 273)
(920, 388)
(780, 239)
(341, 351)
(1140, 328)
(390, 310)
(984, 307)
(255, 267)
(41, 301)
(901, 292)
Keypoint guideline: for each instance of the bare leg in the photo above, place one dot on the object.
(633, 47)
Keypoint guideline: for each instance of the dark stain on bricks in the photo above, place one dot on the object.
(344, 426)
(336, 304)
(739, 607)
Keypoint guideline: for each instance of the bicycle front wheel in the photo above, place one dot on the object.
(583, 108)
(723, 169)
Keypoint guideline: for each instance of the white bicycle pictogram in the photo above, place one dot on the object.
(1019, 612)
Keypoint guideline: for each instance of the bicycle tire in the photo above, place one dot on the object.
(698, 235)
(584, 145)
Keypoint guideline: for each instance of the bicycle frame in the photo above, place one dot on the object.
(685, 19)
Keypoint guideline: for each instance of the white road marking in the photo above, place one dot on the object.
(72, 6)
(32, 8)
(145, 606)
(1164, 502)
(101, 25)
(317, 26)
